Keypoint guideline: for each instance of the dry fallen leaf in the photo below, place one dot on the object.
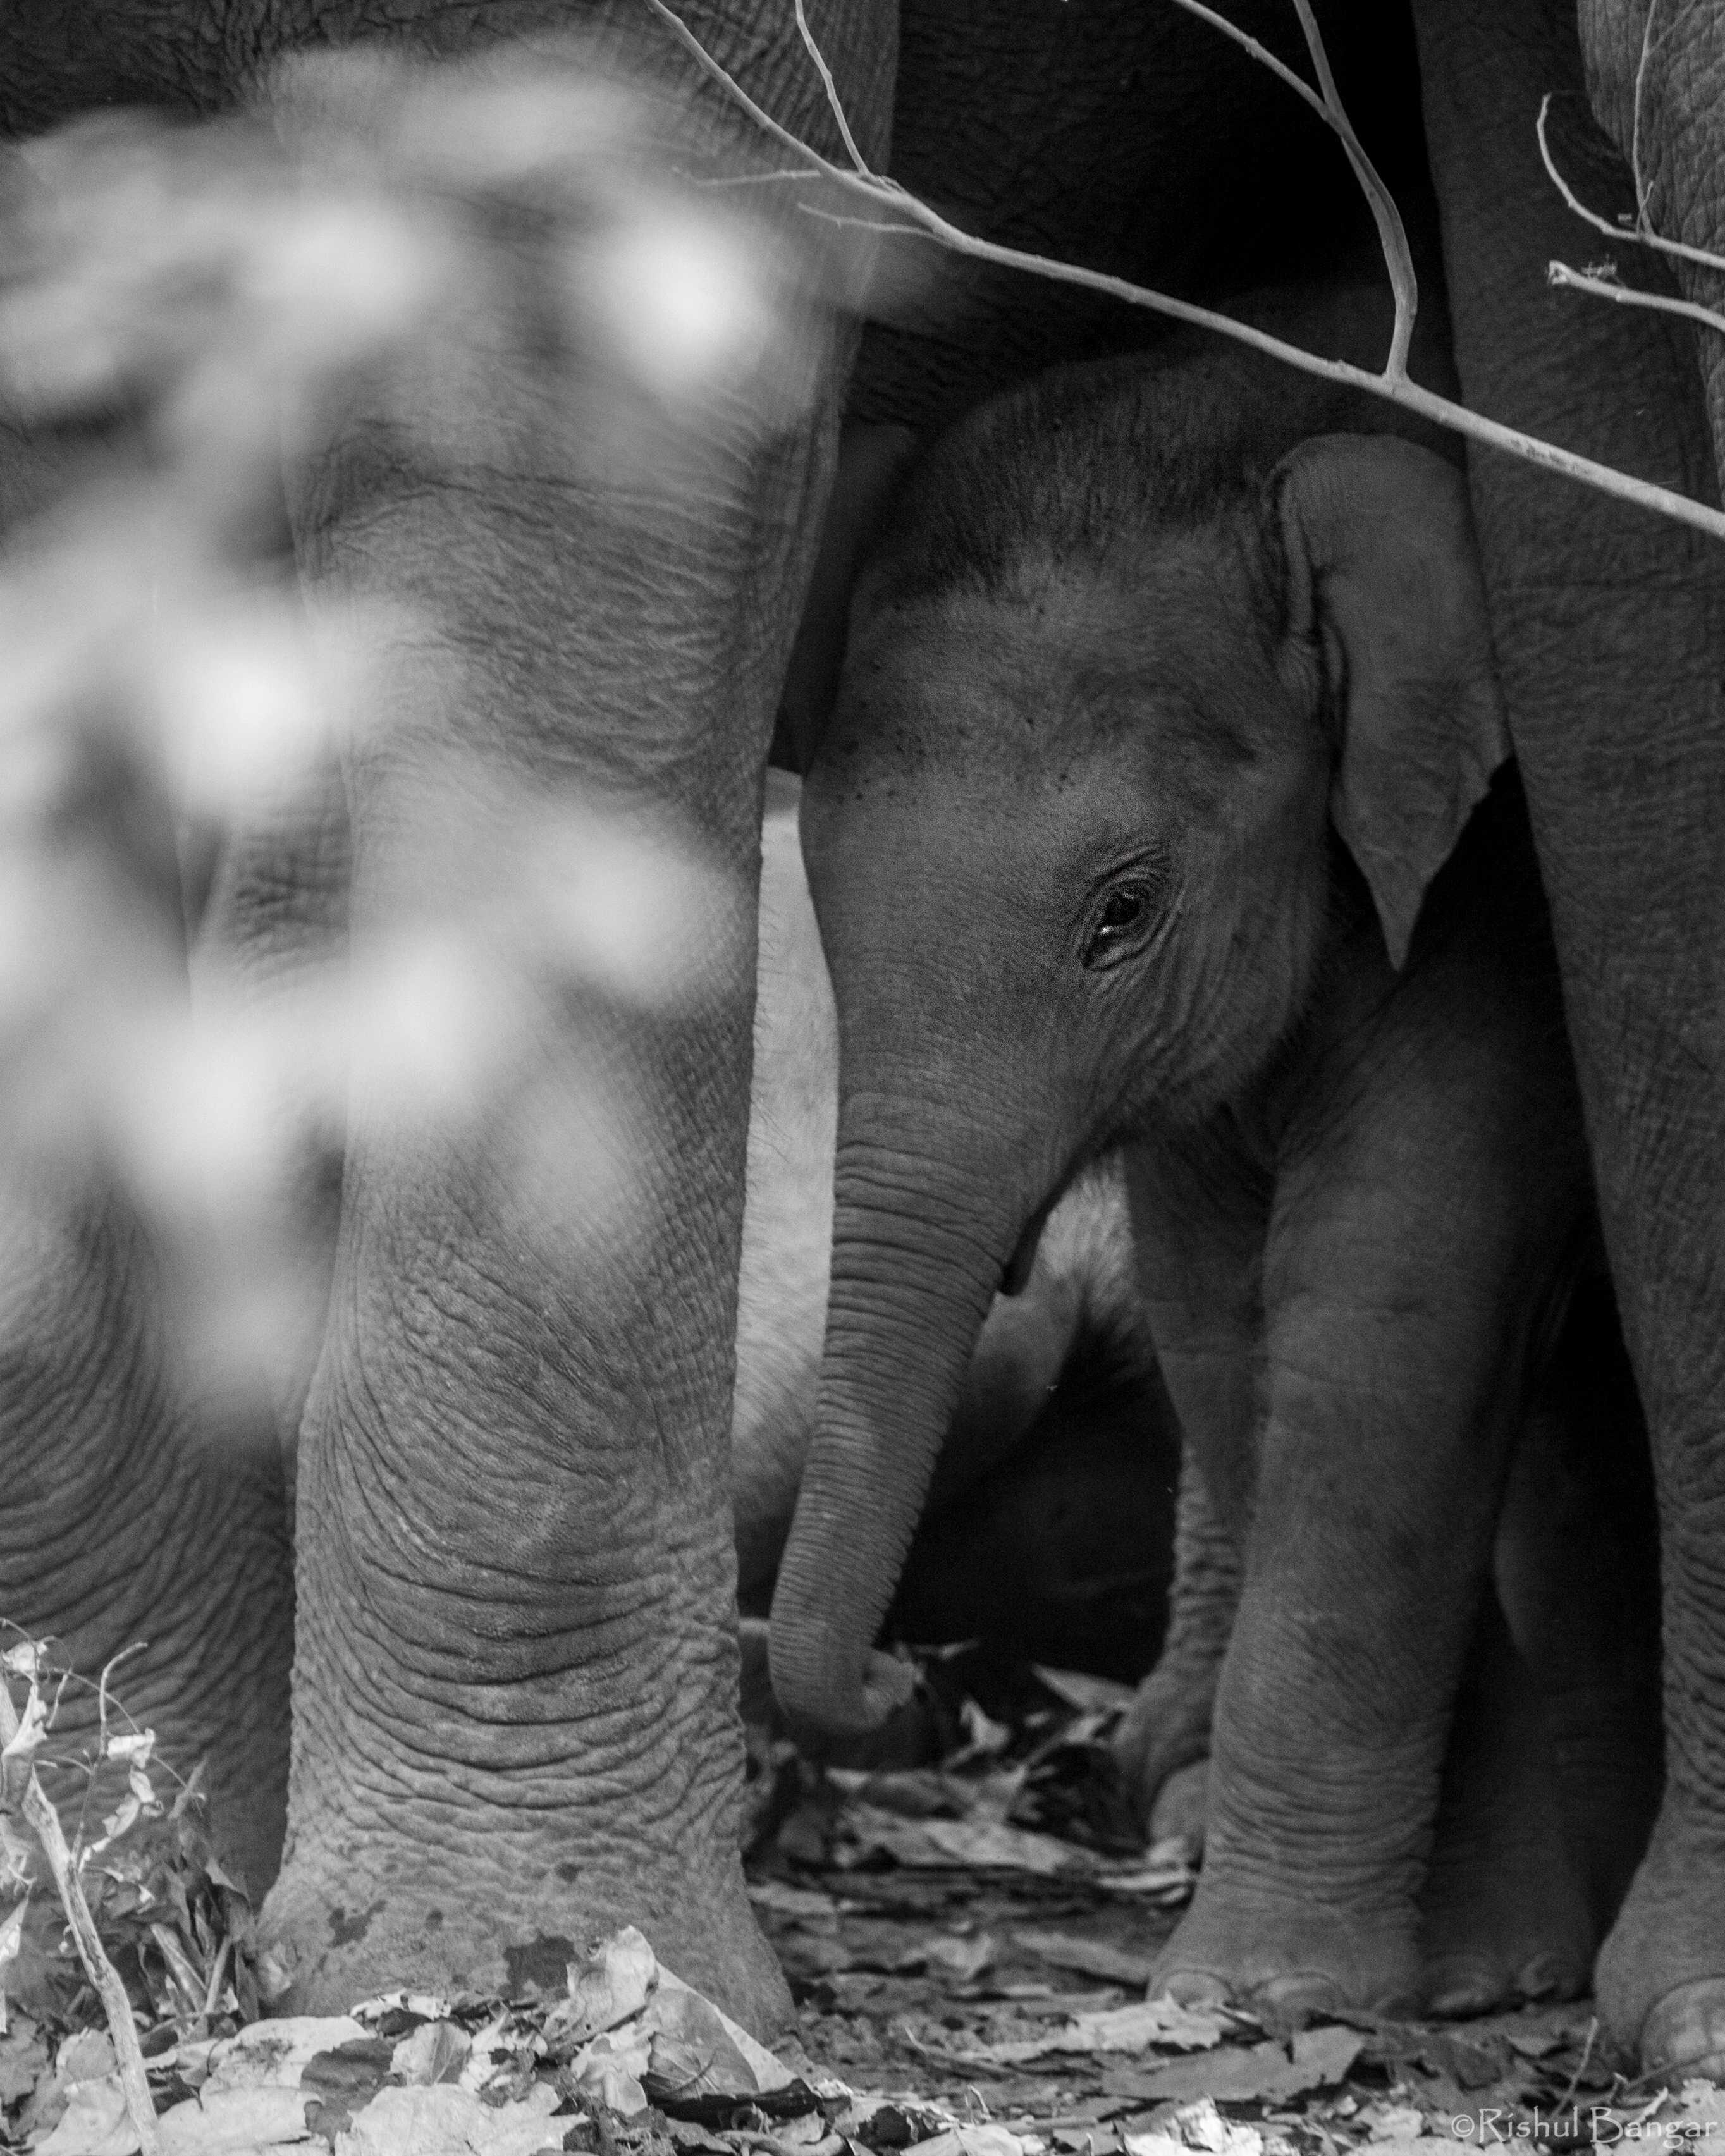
(606, 1988)
(1267, 2072)
(1149, 2023)
(94, 2123)
(451, 2121)
(274, 2054)
(1088, 1956)
(435, 2051)
(972, 2141)
(234, 2122)
(980, 1845)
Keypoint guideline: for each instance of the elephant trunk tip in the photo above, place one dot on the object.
(825, 1697)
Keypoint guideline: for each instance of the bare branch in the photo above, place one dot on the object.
(1392, 234)
(1641, 185)
(834, 102)
(1262, 54)
(1642, 235)
(1626, 295)
(1395, 389)
(740, 179)
(812, 159)
(1392, 237)
(868, 224)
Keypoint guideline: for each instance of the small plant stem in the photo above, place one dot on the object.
(1642, 235)
(1626, 295)
(45, 1821)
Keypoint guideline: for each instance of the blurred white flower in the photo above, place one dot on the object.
(252, 694)
(680, 297)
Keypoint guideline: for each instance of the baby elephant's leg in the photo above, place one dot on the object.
(1409, 1262)
(1164, 1742)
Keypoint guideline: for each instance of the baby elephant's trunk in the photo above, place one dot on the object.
(917, 1256)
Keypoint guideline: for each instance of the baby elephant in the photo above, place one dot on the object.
(1157, 811)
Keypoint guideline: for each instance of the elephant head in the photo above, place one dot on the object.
(1114, 675)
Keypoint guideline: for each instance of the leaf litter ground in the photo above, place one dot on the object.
(968, 1943)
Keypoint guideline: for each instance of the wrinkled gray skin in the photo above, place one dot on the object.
(1082, 1278)
(1139, 647)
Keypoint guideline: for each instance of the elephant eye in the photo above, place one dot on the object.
(1121, 914)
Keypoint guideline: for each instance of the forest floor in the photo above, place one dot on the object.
(968, 1943)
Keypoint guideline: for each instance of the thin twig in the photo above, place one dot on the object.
(212, 1993)
(1605, 479)
(1326, 104)
(1262, 54)
(1392, 234)
(1638, 236)
(1626, 295)
(1641, 185)
(869, 224)
(109, 1667)
(1586, 2052)
(134, 2081)
(835, 104)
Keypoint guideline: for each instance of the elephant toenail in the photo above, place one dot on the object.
(1461, 1990)
(1683, 2038)
(1547, 1977)
(1193, 1987)
(1297, 1997)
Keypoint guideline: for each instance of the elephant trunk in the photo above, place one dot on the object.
(918, 1251)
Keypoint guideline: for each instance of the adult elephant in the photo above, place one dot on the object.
(514, 1685)
(1609, 629)
(514, 1717)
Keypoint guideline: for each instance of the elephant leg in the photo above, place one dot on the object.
(1199, 1260)
(1164, 1742)
(141, 1515)
(1504, 1911)
(1552, 1778)
(516, 1685)
(1609, 626)
(134, 1520)
(1418, 1238)
(1577, 1568)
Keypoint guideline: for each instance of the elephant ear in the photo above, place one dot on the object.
(1383, 573)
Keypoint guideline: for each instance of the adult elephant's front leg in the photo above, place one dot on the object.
(1609, 626)
(515, 1694)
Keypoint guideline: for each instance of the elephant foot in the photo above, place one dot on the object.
(1163, 1742)
(1660, 1979)
(1504, 1923)
(1505, 1911)
(1303, 1958)
(438, 1913)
